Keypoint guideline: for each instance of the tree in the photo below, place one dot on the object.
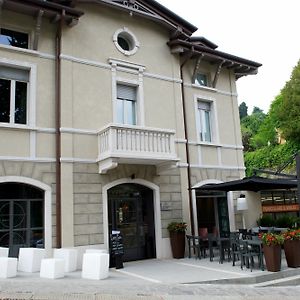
(250, 126)
(289, 112)
(257, 110)
(243, 110)
(267, 133)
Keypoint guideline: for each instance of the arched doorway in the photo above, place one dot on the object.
(21, 216)
(131, 211)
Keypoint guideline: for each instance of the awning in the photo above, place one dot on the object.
(253, 183)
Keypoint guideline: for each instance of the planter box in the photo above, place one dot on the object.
(273, 257)
(177, 244)
(292, 253)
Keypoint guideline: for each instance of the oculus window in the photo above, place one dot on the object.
(14, 38)
(126, 104)
(125, 41)
(204, 118)
(13, 95)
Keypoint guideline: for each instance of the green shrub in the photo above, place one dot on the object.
(286, 221)
(265, 221)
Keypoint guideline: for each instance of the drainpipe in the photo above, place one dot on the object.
(186, 144)
(58, 126)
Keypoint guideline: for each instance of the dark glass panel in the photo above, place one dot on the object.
(36, 214)
(4, 239)
(19, 238)
(124, 44)
(14, 38)
(4, 100)
(21, 103)
(37, 240)
(19, 191)
(19, 216)
(4, 215)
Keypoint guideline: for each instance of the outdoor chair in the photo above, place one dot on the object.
(247, 255)
(235, 246)
(197, 245)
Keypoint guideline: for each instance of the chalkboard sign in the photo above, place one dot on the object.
(116, 244)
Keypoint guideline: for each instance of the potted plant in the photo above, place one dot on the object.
(177, 238)
(272, 250)
(292, 247)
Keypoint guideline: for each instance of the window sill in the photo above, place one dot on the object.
(202, 87)
(15, 126)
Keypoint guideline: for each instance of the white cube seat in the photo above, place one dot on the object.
(30, 259)
(52, 268)
(8, 267)
(3, 252)
(69, 256)
(96, 251)
(95, 266)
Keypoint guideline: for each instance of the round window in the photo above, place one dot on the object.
(125, 41)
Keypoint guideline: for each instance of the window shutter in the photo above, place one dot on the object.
(14, 74)
(204, 105)
(126, 92)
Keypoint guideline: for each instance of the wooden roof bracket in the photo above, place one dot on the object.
(197, 66)
(37, 29)
(218, 70)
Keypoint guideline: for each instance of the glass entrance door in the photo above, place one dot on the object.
(131, 212)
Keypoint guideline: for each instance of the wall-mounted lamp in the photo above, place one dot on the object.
(242, 205)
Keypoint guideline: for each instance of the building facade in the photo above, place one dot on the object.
(110, 113)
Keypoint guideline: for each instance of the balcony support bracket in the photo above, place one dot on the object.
(106, 165)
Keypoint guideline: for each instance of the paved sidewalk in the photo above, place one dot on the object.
(158, 280)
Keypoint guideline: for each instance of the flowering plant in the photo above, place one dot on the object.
(271, 239)
(292, 235)
(177, 227)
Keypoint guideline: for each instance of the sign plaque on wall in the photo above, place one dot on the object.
(280, 208)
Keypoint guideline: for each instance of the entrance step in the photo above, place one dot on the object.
(269, 278)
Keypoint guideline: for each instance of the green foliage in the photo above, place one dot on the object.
(177, 227)
(270, 157)
(265, 221)
(250, 126)
(243, 110)
(289, 112)
(286, 221)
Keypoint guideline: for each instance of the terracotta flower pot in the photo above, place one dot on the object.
(292, 253)
(177, 244)
(273, 257)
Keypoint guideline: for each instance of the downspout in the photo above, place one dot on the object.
(58, 126)
(186, 144)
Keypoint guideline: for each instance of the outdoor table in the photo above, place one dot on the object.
(221, 243)
(258, 243)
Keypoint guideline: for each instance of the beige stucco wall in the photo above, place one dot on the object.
(87, 106)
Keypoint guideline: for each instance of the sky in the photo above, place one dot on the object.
(265, 31)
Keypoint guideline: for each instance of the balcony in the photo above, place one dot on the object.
(135, 145)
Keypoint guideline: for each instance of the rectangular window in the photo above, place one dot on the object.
(126, 104)
(13, 95)
(14, 38)
(204, 112)
(201, 79)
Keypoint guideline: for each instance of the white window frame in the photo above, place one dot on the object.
(133, 41)
(21, 30)
(137, 71)
(31, 93)
(214, 130)
(207, 78)
(135, 100)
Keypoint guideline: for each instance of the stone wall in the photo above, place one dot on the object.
(88, 198)
(43, 172)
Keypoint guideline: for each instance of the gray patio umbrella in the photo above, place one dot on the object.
(253, 183)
